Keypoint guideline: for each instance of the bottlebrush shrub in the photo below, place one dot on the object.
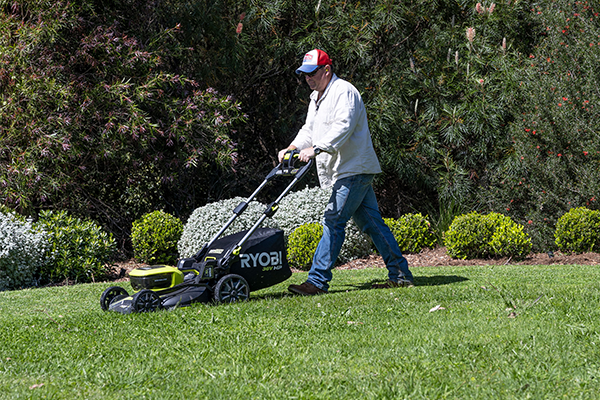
(412, 232)
(206, 221)
(22, 248)
(578, 231)
(475, 235)
(551, 164)
(155, 236)
(78, 249)
(302, 244)
(308, 206)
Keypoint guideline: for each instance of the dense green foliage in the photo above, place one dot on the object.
(22, 248)
(155, 236)
(412, 232)
(78, 250)
(302, 245)
(474, 235)
(92, 105)
(553, 162)
(578, 231)
(490, 106)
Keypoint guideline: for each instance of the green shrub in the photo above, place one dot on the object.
(78, 250)
(412, 232)
(22, 248)
(206, 221)
(509, 240)
(465, 238)
(475, 235)
(155, 236)
(302, 244)
(308, 206)
(578, 231)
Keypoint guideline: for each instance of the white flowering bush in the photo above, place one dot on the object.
(22, 248)
(308, 206)
(302, 207)
(206, 221)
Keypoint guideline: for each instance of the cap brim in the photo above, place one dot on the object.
(306, 69)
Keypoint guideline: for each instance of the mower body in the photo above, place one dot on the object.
(212, 274)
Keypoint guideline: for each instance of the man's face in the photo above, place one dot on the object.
(320, 79)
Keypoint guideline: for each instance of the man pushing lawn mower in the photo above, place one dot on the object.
(336, 134)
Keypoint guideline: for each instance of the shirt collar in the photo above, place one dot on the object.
(315, 95)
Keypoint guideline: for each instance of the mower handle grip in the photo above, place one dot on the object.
(287, 166)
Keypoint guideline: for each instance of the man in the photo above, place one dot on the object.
(336, 134)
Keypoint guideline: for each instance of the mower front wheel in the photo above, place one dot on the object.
(146, 301)
(110, 294)
(231, 288)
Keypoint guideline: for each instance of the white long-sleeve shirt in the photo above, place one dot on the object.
(337, 124)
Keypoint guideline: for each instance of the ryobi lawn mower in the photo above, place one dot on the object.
(226, 269)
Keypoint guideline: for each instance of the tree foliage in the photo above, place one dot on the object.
(439, 104)
(93, 118)
(556, 134)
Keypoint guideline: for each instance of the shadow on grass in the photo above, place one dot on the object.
(419, 281)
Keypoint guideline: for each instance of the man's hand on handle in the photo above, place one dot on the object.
(304, 155)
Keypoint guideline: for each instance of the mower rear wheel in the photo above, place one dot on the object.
(109, 295)
(231, 288)
(146, 301)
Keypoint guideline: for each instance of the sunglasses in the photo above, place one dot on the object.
(311, 74)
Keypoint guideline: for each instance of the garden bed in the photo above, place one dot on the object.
(427, 258)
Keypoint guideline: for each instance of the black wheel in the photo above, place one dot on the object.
(231, 288)
(146, 301)
(109, 295)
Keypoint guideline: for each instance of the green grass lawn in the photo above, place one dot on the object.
(354, 343)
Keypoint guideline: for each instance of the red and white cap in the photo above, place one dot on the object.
(312, 60)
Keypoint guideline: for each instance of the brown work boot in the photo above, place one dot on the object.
(306, 289)
(391, 284)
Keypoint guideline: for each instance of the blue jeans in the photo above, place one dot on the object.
(354, 197)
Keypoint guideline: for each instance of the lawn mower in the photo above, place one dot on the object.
(225, 270)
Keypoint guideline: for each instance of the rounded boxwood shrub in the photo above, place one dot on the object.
(206, 221)
(578, 231)
(308, 206)
(412, 232)
(78, 250)
(22, 248)
(302, 244)
(475, 235)
(154, 237)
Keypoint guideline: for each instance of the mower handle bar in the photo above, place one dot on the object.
(285, 168)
